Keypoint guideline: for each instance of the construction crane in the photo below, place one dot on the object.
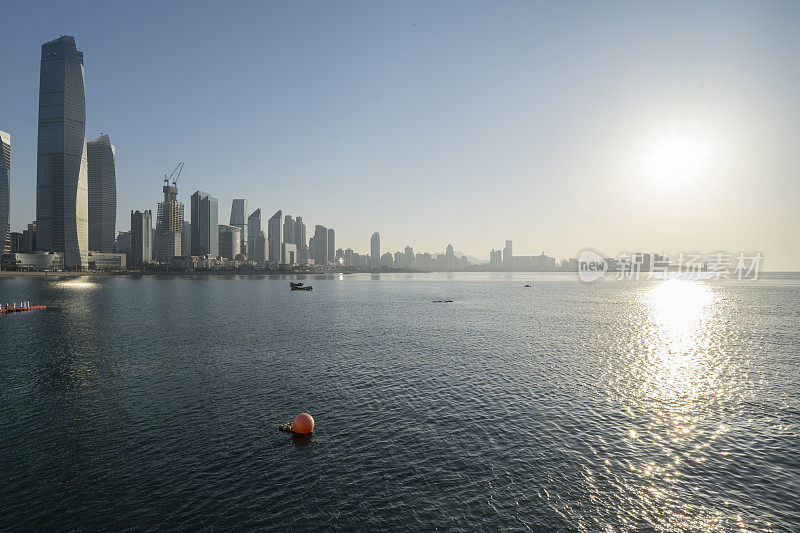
(177, 170)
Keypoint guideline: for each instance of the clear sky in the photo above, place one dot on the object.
(614, 125)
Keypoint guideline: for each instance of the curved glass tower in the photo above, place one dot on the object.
(102, 194)
(62, 200)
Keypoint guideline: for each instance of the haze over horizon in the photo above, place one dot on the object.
(618, 126)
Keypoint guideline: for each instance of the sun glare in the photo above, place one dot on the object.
(677, 161)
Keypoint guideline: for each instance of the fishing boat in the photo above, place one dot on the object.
(300, 287)
(295, 284)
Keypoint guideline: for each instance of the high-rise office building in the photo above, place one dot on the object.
(254, 231)
(288, 229)
(141, 237)
(169, 224)
(230, 241)
(409, 259)
(507, 255)
(275, 236)
(320, 248)
(186, 239)
(331, 246)
(102, 179)
(300, 241)
(29, 238)
(256, 240)
(62, 202)
(449, 258)
(5, 192)
(375, 250)
(205, 224)
(123, 245)
(239, 219)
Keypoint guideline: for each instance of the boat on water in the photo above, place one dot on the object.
(295, 284)
(300, 287)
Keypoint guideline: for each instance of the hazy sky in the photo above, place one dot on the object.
(618, 126)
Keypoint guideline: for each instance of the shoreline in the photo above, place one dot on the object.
(282, 273)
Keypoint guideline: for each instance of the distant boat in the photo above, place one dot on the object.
(299, 288)
(293, 284)
(526, 285)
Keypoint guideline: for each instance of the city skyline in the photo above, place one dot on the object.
(576, 159)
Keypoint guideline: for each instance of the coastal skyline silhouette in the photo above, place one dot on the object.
(617, 127)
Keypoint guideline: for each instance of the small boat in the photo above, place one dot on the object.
(295, 284)
(298, 288)
(526, 285)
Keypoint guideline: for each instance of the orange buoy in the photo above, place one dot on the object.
(303, 423)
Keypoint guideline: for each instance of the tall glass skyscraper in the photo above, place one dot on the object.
(205, 222)
(102, 194)
(300, 241)
(62, 206)
(375, 250)
(239, 219)
(319, 250)
(141, 237)
(331, 246)
(5, 192)
(275, 237)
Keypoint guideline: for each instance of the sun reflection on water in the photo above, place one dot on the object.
(674, 384)
(79, 283)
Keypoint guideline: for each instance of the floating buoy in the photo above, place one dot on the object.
(303, 424)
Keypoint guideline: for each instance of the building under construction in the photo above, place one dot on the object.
(169, 220)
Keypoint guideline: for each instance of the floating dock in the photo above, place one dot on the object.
(23, 306)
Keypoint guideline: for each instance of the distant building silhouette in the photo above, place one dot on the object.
(331, 246)
(300, 241)
(508, 255)
(375, 250)
(320, 247)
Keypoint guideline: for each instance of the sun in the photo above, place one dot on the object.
(677, 161)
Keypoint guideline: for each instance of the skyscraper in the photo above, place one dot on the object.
(288, 229)
(331, 246)
(186, 239)
(507, 255)
(169, 224)
(62, 203)
(230, 241)
(239, 219)
(5, 192)
(320, 248)
(205, 222)
(300, 241)
(275, 235)
(409, 259)
(254, 233)
(141, 237)
(102, 179)
(375, 250)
